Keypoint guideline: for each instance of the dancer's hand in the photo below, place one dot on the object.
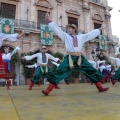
(47, 17)
(23, 58)
(102, 27)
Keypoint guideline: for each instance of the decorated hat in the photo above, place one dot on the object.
(73, 26)
(44, 47)
(117, 51)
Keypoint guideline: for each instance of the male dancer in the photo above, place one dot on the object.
(42, 69)
(104, 72)
(6, 56)
(41, 80)
(74, 59)
(95, 63)
(116, 76)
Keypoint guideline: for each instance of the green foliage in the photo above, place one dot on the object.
(75, 73)
(58, 55)
(15, 58)
(27, 72)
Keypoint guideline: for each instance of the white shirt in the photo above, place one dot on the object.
(32, 66)
(108, 67)
(39, 58)
(9, 55)
(102, 67)
(68, 41)
(117, 61)
(8, 37)
(55, 63)
(94, 63)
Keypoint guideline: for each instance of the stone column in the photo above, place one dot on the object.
(86, 20)
(86, 16)
(108, 23)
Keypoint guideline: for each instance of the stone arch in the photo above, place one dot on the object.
(36, 51)
(44, 3)
(97, 17)
(72, 10)
(50, 52)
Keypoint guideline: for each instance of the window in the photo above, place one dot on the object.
(7, 10)
(41, 18)
(96, 26)
(72, 20)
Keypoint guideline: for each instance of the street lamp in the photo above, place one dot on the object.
(93, 53)
(97, 53)
(27, 13)
(101, 54)
(61, 19)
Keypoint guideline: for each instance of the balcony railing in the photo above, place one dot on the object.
(26, 24)
(33, 25)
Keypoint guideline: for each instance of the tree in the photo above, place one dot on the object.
(27, 72)
(15, 58)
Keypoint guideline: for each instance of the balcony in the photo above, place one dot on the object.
(26, 24)
(31, 25)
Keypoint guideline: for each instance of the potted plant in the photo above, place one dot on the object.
(75, 75)
(27, 72)
(57, 55)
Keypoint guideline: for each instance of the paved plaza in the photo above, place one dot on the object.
(71, 102)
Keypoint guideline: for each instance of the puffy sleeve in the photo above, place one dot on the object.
(113, 58)
(8, 37)
(31, 57)
(54, 27)
(31, 66)
(91, 35)
(11, 37)
(53, 58)
(15, 51)
(55, 63)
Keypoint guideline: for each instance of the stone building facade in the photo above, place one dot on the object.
(29, 14)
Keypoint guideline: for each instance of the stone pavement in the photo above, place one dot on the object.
(71, 102)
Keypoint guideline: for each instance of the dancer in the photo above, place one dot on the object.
(74, 59)
(41, 80)
(6, 56)
(116, 76)
(42, 69)
(109, 72)
(95, 63)
(104, 72)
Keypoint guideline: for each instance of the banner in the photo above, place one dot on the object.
(102, 42)
(46, 35)
(6, 25)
